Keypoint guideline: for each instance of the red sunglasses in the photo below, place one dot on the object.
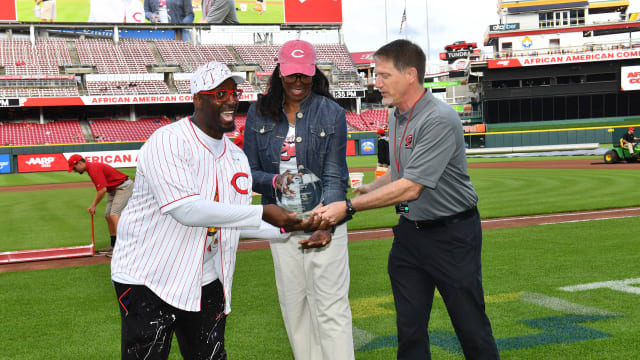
(223, 95)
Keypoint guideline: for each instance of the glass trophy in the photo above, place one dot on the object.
(299, 193)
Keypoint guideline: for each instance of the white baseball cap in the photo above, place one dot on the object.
(210, 75)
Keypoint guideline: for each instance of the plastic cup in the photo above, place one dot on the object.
(356, 179)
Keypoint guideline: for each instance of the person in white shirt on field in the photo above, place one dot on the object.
(174, 260)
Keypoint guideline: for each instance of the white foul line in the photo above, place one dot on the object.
(560, 215)
(562, 305)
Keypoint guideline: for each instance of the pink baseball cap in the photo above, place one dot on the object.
(297, 56)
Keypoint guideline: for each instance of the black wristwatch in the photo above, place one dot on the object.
(350, 209)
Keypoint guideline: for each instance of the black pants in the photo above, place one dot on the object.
(148, 324)
(447, 257)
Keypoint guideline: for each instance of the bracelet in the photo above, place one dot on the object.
(282, 231)
(273, 181)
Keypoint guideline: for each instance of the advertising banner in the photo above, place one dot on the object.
(367, 147)
(111, 100)
(42, 162)
(363, 58)
(630, 78)
(141, 11)
(9, 102)
(313, 11)
(554, 59)
(441, 84)
(58, 162)
(115, 158)
(504, 27)
(8, 11)
(5, 163)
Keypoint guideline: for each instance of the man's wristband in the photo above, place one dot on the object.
(273, 181)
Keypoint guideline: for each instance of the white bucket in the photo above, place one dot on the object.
(355, 179)
(243, 7)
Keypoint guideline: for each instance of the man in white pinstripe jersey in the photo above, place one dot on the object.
(173, 263)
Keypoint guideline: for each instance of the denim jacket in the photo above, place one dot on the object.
(321, 146)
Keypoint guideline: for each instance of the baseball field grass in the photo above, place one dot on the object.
(62, 215)
(534, 277)
(66, 10)
(78, 11)
(72, 313)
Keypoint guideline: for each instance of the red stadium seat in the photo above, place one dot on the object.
(56, 132)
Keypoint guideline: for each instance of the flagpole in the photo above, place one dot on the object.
(386, 29)
(406, 30)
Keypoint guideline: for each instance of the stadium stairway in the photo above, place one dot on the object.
(235, 55)
(73, 52)
(171, 85)
(86, 131)
(156, 52)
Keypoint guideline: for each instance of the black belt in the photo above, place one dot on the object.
(445, 220)
(125, 180)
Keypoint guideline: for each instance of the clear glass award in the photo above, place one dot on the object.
(299, 193)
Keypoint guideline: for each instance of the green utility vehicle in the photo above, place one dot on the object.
(621, 153)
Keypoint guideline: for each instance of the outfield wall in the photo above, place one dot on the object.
(601, 135)
(359, 143)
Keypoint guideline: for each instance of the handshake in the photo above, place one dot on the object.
(300, 196)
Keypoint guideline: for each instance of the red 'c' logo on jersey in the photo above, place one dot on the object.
(234, 182)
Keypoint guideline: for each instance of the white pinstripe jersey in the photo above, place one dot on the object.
(174, 165)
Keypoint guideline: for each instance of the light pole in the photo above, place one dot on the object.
(386, 29)
(426, 4)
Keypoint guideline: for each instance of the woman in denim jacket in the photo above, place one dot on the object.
(298, 125)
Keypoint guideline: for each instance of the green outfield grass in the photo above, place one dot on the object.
(62, 215)
(72, 313)
(66, 10)
(78, 11)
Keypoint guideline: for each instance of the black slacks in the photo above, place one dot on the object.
(446, 257)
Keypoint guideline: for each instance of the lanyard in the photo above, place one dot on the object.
(398, 155)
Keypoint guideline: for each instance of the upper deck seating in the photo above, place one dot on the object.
(263, 55)
(20, 58)
(131, 56)
(336, 54)
(181, 53)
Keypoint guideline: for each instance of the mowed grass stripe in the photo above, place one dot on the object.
(73, 308)
(502, 193)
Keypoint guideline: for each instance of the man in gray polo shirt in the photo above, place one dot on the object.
(438, 239)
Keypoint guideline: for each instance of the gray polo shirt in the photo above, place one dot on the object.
(431, 152)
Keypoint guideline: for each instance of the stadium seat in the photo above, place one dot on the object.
(107, 130)
(28, 133)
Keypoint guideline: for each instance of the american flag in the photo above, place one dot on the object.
(404, 19)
